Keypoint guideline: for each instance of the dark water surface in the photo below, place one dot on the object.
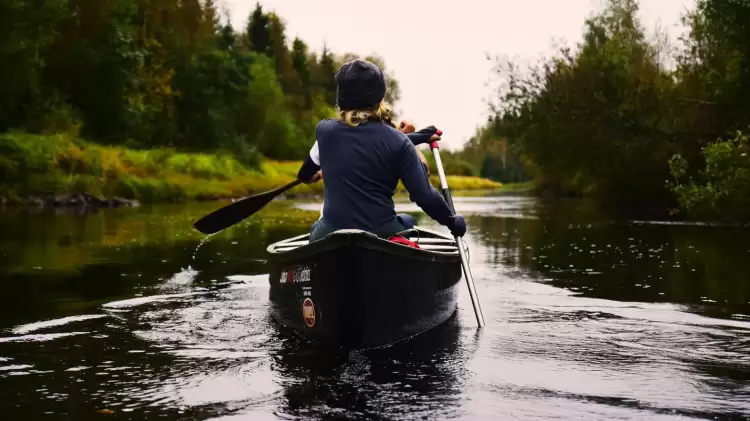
(110, 316)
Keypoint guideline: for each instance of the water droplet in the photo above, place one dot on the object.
(203, 241)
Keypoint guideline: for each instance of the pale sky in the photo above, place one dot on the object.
(437, 48)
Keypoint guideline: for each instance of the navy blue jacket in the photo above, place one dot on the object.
(362, 166)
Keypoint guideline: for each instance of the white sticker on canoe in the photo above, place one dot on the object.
(302, 274)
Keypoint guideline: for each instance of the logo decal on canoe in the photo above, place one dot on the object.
(302, 274)
(295, 275)
(308, 312)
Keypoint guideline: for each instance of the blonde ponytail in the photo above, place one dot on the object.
(357, 117)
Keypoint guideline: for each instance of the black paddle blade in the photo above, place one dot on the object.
(233, 213)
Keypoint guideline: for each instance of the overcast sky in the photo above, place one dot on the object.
(436, 48)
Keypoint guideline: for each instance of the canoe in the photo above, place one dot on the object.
(355, 290)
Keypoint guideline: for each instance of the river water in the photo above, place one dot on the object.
(116, 315)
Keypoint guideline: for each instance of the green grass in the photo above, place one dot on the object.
(468, 183)
(36, 164)
(527, 186)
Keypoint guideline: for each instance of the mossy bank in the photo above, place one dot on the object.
(34, 165)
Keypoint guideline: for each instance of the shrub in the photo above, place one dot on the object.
(720, 190)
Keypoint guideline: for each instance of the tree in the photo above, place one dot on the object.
(587, 119)
(227, 38)
(279, 52)
(714, 68)
(323, 76)
(210, 24)
(301, 64)
(258, 31)
(27, 32)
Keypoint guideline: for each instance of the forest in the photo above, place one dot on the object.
(156, 99)
(163, 73)
(638, 123)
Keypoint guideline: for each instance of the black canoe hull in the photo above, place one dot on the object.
(355, 290)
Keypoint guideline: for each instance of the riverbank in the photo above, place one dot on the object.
(42, 169)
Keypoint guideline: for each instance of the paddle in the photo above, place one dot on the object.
(231, 214)
(459, 242)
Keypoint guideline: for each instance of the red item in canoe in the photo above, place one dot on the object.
(401, 240)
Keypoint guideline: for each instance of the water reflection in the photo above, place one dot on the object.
(701, 267)
(420, 378)
(587, 319)
(63, 265)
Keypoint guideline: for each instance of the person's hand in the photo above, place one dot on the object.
(427, 135)
(317, 177)
(459, 226)
(406, 127)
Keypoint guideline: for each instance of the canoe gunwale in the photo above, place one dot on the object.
(361, 239)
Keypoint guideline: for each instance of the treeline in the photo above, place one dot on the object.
(629, 120)
(484, 155)
(163, 73)
(490, 154)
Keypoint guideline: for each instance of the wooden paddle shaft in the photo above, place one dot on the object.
(459, 241)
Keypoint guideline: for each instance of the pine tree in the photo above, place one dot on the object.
(210, 25)
(302, 67)
(324, 80)
(279, 52)
(258, 33)
(227, 38)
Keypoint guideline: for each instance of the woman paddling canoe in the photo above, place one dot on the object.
(363, 159)
(423, 136)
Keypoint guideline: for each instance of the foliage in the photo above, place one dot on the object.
(459, 183)
(452, 164)
(720, 190)
(33, 164)
(489, 154)
(605, 118)
(55, 164)
(714, 68)
(153, 74)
